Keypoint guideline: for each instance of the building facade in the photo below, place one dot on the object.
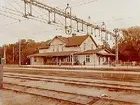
(74, 50)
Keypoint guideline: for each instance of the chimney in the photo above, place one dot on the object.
(73, 34)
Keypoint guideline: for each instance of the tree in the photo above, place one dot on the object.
(28, 47)
(129, 46)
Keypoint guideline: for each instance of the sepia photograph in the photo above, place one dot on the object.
(69, 52)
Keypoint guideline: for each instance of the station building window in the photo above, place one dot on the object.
(84, 46)
(35, 59)
(87, 58)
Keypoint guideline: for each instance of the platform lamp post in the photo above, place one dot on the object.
(116, 35)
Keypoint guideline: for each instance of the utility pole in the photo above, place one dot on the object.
(19, 42)
(116, 30)
(13, 54)
(5, 54)
(1, 76)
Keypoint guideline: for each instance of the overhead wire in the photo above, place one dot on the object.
(45, 20)
(10, 17)
(10, 13)
(38, 14)
(14, 22)
(16, 3)
(15, 10)
(11, 5)
(10, 9)
(50, 18)
(80, 4)
(68, 2)
(37, 19)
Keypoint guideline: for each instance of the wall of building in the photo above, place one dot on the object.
(36, 61)
(72, 48)
(57, 46)
(44, 50)
(93, 59)
(89, 45)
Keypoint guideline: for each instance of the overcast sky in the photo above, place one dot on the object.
(115, 14)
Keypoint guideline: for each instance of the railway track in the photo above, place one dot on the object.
(102, 75)
(63, 97)
(74, 99)
(109, 86)
(69, 97)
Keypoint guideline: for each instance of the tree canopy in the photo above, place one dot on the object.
(129, 46)
(28, 47)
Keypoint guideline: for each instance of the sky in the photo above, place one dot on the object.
(115, 14)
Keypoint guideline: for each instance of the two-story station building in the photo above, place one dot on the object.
(74, 50)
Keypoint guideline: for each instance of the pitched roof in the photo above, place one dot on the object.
(72, 41)
(46, 45)
(97, 51)
(89, 51)
(75, 40)
(106, 54)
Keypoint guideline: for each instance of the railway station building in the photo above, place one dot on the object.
(74, 50)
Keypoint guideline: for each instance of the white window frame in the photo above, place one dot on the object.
(35, 59)
(58, 48)
(99, 59)
(84, 46)
(92, 46)
(53, 47)
(62, 48)
(88, 59)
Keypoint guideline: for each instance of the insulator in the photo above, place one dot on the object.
(54, 18)
(77, 27)
(68, 30)
(87, 30)
(91, 30)
(110, 37)
(30, 8)
(106, 36)
(99, 32)
(95, 32)
(49, 21)
(25, 9)
(101, 36)
(82, 27)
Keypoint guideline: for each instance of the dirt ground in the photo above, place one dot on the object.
(16, 98)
